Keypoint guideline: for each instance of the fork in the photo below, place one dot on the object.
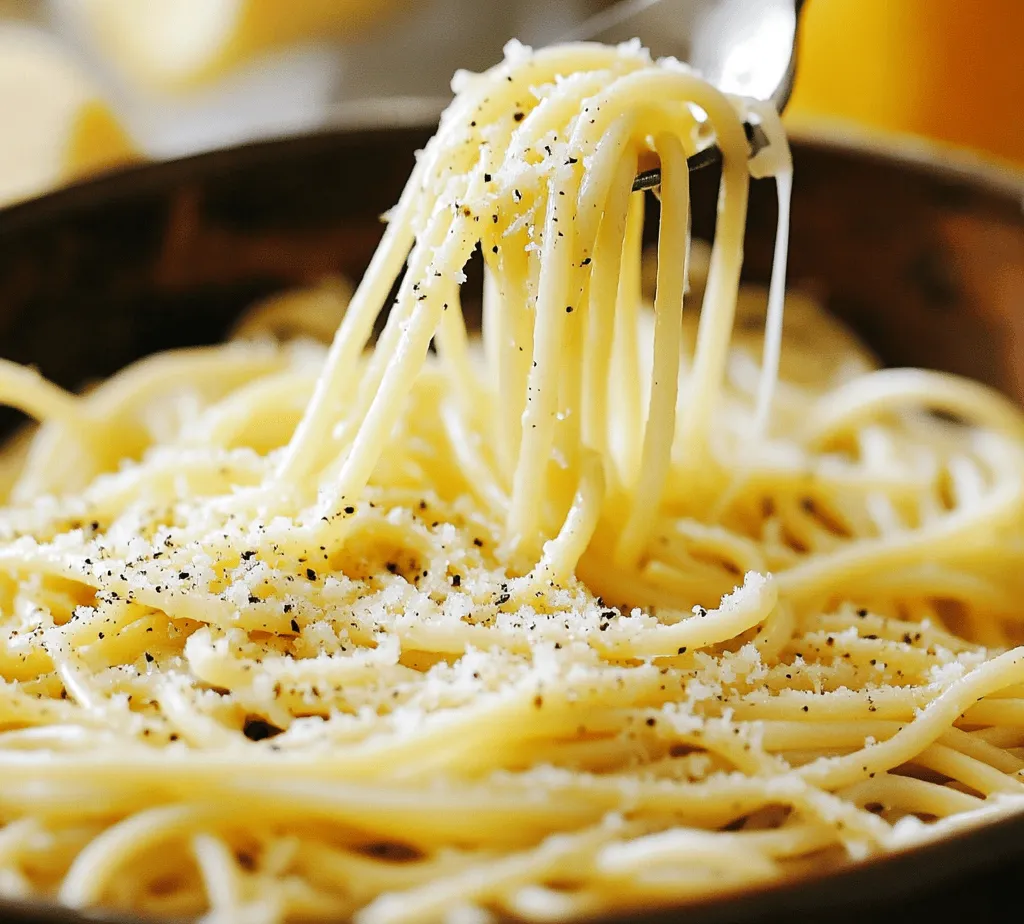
(747, 47)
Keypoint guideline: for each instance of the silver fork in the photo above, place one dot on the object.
(746, 47)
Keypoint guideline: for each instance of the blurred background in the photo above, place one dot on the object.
(87, 85)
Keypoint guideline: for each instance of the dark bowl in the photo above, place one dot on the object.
(922, 256)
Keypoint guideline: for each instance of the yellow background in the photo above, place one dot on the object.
(950, 70)
(947, 70)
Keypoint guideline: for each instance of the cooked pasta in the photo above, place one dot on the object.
(629, 602)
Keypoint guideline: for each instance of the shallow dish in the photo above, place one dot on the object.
(924, 258)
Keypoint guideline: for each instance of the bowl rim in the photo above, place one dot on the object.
(415, 113)
(955, 161)
(913, 869)
(916, 151)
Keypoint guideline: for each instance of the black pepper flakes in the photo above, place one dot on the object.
(259, 729)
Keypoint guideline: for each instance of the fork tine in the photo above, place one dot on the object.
(651, 179)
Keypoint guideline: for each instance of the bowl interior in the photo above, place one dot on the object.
(927, 265)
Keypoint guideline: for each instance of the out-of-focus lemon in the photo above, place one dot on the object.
(54, 125)
(949, 70)
(173, 44)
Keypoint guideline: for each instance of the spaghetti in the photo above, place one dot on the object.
(630, 604)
